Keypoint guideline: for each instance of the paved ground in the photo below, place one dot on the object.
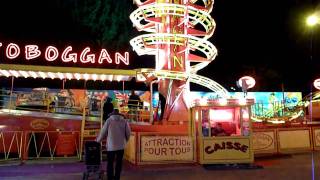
(292, 167)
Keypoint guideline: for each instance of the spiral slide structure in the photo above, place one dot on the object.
(198, 25)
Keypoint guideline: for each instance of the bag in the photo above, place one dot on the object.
(92, 153)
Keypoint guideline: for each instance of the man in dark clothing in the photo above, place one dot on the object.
(162, 100)
(133, 105)
(107, 108)
(218, 130)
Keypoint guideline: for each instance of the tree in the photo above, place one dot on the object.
(106, 20)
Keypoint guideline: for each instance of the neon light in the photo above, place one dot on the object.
(52, 54)
(51, 75)
(60, 75)
(14, 73)
(84, 58)
(119, 77)
(86, 76)
(316, 84)
(24, 74)
(223, 101)
(124, 59)
(5, 72)
(94, 77)
(176, 59)
(9, 49)
(49, 51)
(77, 76)
(103, 77)
(32, 52)
(104, 55)
(33, 74)
(110, 77)
(69, 57)
(249, 80)
(177, 30)
(69, 76)
(42, 74)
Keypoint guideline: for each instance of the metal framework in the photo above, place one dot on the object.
(149, 16)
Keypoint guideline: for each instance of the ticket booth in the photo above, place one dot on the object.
(223, 131)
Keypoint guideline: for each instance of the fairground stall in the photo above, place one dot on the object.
(177, 35)
(224, 131)
(286, 122)
(43, 122)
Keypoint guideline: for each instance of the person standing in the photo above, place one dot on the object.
(133, 105)
(162, 100)
(117, 131)
(107, 108)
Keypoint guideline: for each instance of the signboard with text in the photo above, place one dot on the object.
(316, 138)
(34, 54)
(166, 148)
(264, 141)
(230, 149)
(294, 139)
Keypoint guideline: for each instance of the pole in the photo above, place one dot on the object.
(123, 87)
(63, 82)
(151, 97)
(283, 100)
(11, 92)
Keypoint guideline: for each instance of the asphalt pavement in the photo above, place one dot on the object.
(292, 167)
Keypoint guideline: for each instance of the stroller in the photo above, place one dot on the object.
(93, 161)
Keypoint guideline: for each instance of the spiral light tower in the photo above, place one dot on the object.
(178, 36)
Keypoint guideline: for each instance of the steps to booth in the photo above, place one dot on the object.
(90, 131)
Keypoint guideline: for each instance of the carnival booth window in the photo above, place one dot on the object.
(221, 121)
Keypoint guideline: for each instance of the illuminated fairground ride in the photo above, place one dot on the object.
(305, 110)
(179, 32)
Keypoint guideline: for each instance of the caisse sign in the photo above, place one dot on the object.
(226, 149)
(166, 148)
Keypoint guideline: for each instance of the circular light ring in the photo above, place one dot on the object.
(316, 83)
(249, 80)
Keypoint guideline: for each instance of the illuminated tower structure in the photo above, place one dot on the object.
(178, 37)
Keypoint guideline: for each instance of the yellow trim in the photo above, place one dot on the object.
(68, 69)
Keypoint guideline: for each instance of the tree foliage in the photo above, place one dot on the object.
(106, 20)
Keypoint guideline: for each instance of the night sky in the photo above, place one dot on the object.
(266, 39)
